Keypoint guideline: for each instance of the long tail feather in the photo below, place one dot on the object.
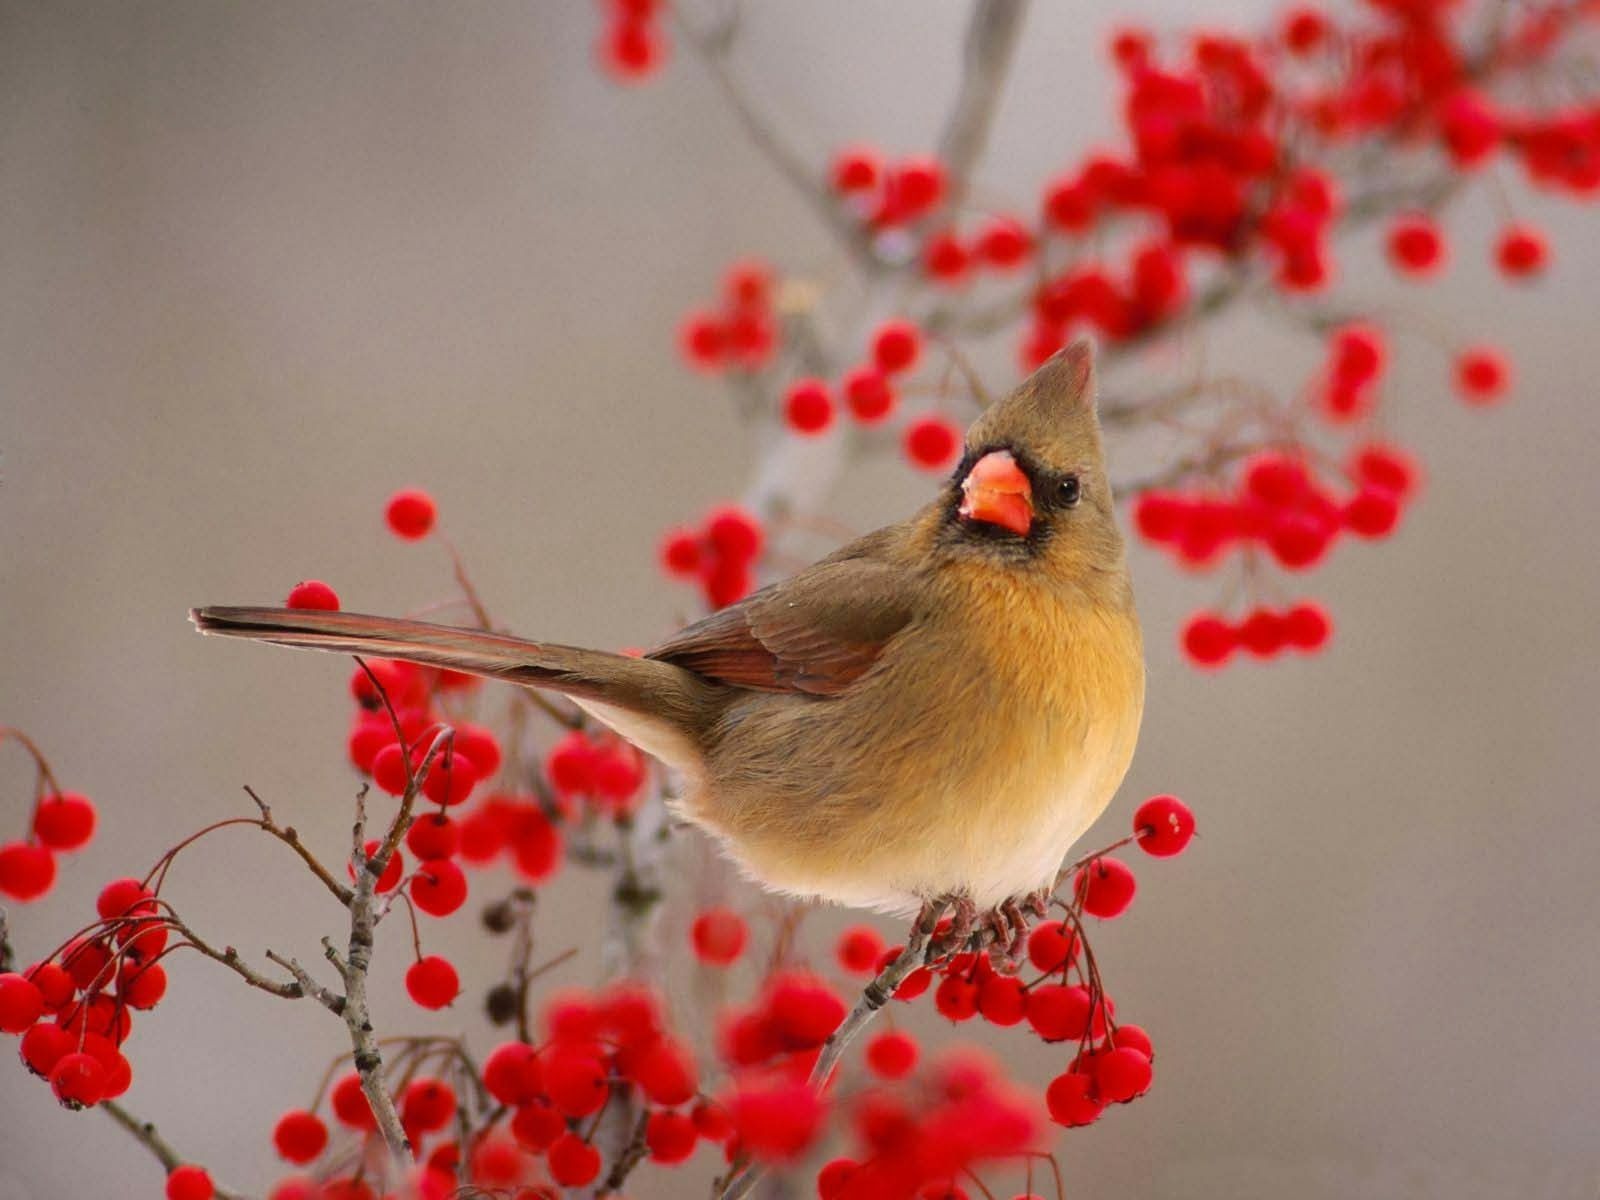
(656, 689)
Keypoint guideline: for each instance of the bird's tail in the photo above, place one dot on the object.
(654, 689)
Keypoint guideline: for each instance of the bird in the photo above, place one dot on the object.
(932, 714)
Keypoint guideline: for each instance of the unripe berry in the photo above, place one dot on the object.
(1106, 887)
(1163, 825)
(64, 821)
(432, 982)
(299, 1136)
(314, 594)
(411, 514)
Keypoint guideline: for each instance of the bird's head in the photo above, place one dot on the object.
(1031, 489)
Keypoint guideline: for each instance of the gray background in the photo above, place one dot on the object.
(264, 263)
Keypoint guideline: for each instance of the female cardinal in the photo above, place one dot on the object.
(935, 712)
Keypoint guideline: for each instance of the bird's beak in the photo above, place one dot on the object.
(996, 491)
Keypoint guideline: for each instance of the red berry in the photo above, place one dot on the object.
(451, 778)
(513, 1074)
(1521, 251)
(895, 346)
(1059, 1012)
(1053, 946)
(859, 949)
(43, 1046)
(931, 442)
(1121, 1074)
(748, 284)
(299, 1136)
(432, 982)
(391, 872)
(1306, 626)
(536, 1126)
(719, 936)
(1208, 640)
(670, 1136)
(1001, 1000)
(728, 582)
(439, 887)
(631, 50)
(856, 169)
(1372, 513)
(666, 1073)
(434, 835)
(808, 406)
(480, 745)
(804, 1009)
(778, 1121)
(1415, 245)
(1132, 1037)
(26, 871)
(680, 553)
(1163, 825)
(834, 1177)
(576, 1081)
(410, 514)
(956, 998)
(350, 1103)
(55, 986)
(704, 341)
(313, 593)
(123, 897)
(711, 1120)
(892, 1054)
(64, 821)
(1003, 243)
(1358, 354)
(573, 1161)
(427, 1104)
(1106, 887)
(1304, 29)
(189, 1182)
(1298, 540)
(1073, 1100)
(1385, 466)
(142, 985)
(869, 394)
(914, 984)
(389, 769)
(735, 534)
(915, 187)
(945, 258)
(1482, 375)
(21, 1003)
(78, 1080)
(1262, 633)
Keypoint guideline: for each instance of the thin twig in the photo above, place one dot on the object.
(144, 1132)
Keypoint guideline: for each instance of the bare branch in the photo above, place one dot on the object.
(992, 34)
(144, 1132)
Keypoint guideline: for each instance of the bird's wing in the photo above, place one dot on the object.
(815, 633)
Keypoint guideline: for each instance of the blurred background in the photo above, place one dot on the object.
(264, 264)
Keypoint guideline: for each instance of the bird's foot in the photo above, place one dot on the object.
(1008, 928)
(963, 919)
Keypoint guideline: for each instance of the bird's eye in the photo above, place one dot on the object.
(1068, 490)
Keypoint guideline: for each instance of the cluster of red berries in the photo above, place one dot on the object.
(63, 823)
(632, 46)
(887, 194)
(1153, 287)
(1002, 244)
(868, 390)
(74, 1010)
(742, 333)
(721, 555)
(1210, 640)
(607, 773)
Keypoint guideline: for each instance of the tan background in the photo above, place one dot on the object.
(264, 263)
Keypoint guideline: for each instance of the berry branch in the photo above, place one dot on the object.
(144, 1132)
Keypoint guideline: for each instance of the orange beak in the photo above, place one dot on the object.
(996, 491)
